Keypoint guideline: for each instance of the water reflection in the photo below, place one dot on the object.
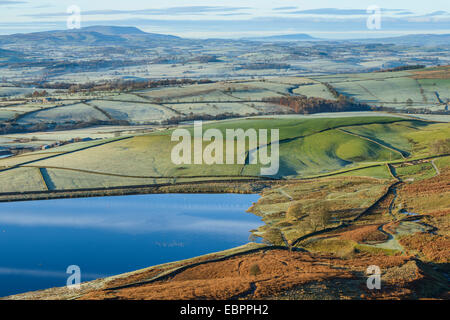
(135, 214)
(107, 236)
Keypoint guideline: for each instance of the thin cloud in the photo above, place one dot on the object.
(436, 13)
(9, 2)
(341, 12)
(234, 14)
(190, 10)
(403, 13)
(133, 223)
(284, 8)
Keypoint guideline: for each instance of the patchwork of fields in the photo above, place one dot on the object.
(425, 88)
(421, 89)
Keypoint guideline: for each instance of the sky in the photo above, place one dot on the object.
(235, 18)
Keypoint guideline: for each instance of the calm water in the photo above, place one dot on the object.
(107, 236)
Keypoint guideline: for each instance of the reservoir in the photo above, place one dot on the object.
(111, 235)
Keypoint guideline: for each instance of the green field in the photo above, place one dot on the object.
(75, 112)
(21, 180)
(135, 113)
(308, 148)
(380, 172)
(399, 90)
(416, 172)
(315, 90)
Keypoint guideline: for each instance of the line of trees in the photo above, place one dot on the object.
(205, 117)
(304, 105)
(122, 85)
(264, 66)
(402, 68)
(9, 128)
(332, 90)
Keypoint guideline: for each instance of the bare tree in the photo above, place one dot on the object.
(319, 215)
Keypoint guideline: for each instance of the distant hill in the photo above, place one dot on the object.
(134, 37)
(412, 39)
(112, 30)
(285, 37)
(94, 36)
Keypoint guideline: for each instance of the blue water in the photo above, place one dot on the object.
(112, 235)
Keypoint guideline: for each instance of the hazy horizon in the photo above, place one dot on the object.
(233, 19)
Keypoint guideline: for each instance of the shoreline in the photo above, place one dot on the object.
(247, 248)
(64, 293)
(244, 186)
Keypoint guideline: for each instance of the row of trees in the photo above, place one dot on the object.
(9, 128)
(332, 90)
(37, 94)
(304, 105)
(122, 85)
(307, 218)
(312, 217)
(204, 117)
(264, 66)
(403, 68)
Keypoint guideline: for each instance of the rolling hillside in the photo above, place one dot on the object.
(308, 148)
